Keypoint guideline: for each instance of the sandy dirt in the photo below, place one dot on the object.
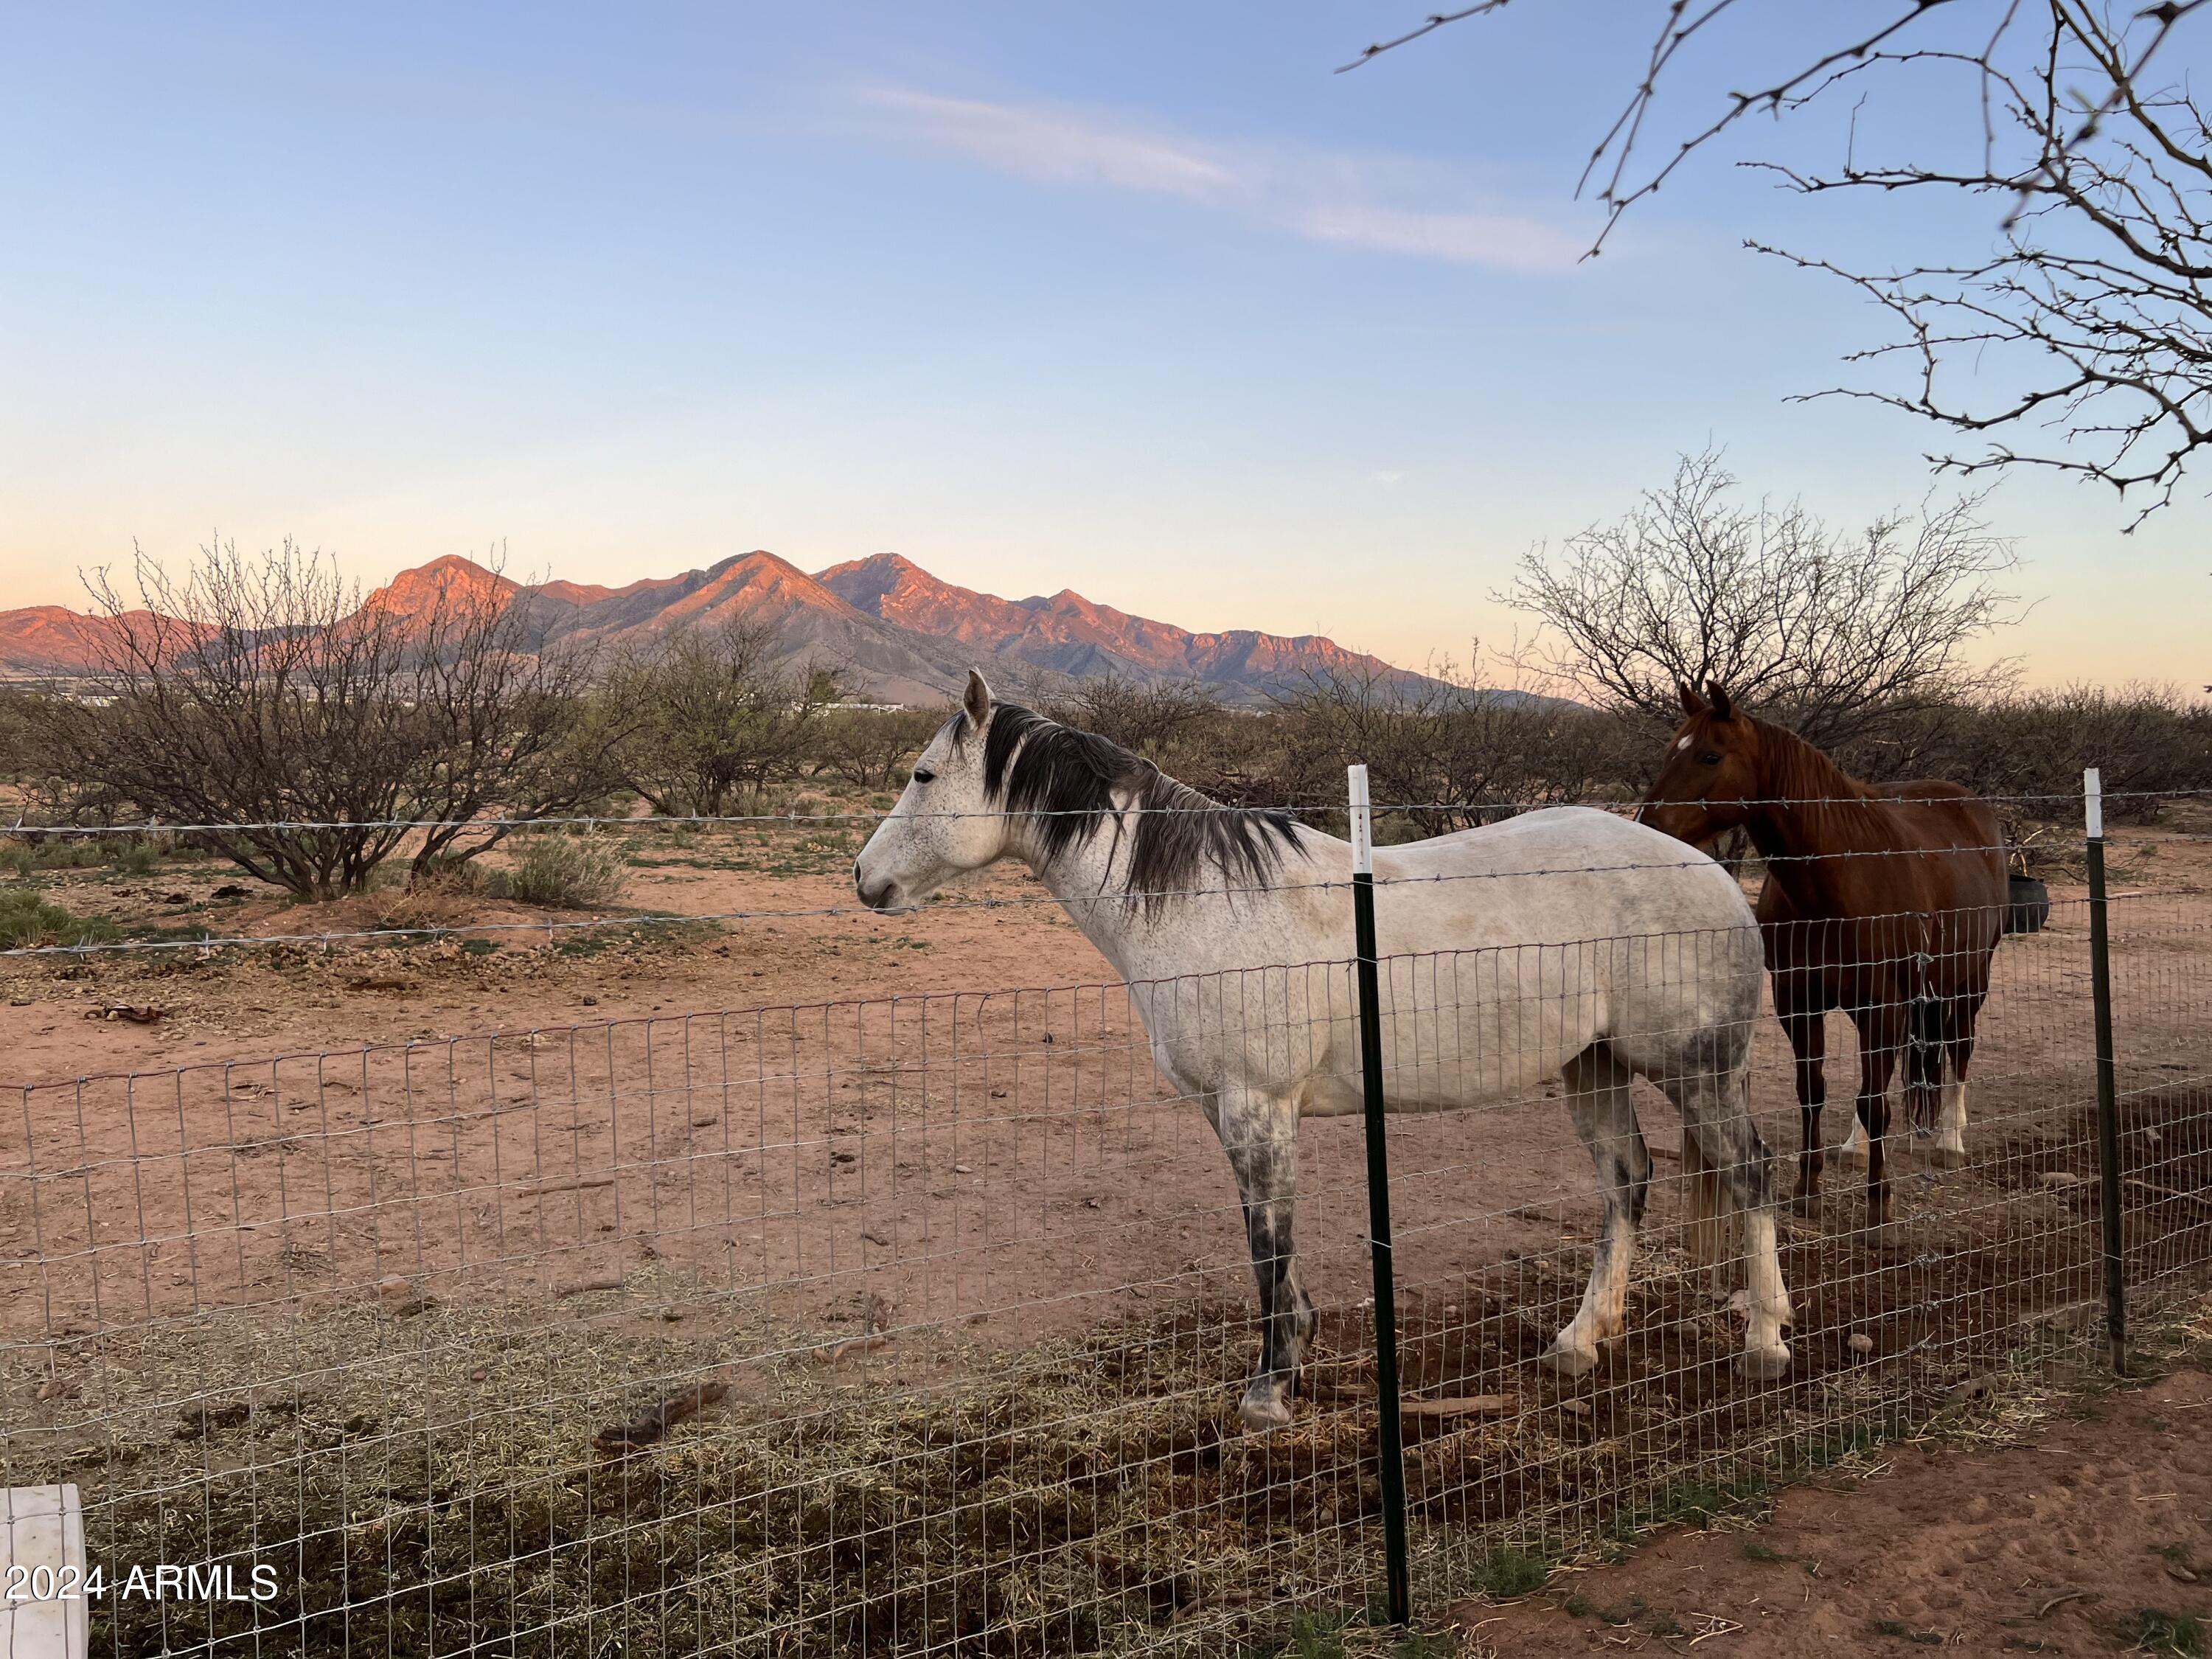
(2059, 1545)
(803, 1111)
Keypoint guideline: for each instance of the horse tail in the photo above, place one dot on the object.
(1714, 1224)
(1926, 1029)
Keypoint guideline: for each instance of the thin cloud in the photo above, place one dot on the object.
(1387, 204)
(1054, 145)
(1476, 239)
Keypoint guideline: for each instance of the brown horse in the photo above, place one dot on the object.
(1884, 900)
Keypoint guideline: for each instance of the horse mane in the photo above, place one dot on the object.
(1795, 770)
(1070, 781)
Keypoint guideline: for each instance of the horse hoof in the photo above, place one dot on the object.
(1264, 1414)
(1807, 1205)
(1764, 1365)
(1848, 1154)
(1562, 1360)
(1946, 1157)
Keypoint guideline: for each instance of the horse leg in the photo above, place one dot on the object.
(1807, 1031)
(1881, 1035)
(1605, 1117)
(1260, 1135)
(1854, 1149)
(1961, 1013)
(1716, 1108)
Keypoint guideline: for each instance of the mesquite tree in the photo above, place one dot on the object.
(1838, 634)
(279, 720)
(717, 715)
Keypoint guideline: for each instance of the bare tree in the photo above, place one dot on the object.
(1835, 633)
(716, 715)
(302, 731)
(2082, 343)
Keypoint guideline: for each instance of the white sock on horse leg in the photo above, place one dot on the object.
(1768, 1300)
(1605, 1297)
(1951, 1118)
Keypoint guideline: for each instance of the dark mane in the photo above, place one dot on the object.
(1070, 779)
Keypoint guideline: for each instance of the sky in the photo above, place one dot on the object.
(1137, 298)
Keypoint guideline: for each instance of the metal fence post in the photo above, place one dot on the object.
(1398, 1589)
(2108, 1109)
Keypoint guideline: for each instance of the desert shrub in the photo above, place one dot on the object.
(712, 717)
(34, 852)
(869, 748)
(2142, 738)
(31, 855)
(261, 695)
(1457, 754)
(17, 762)
(1154, 720)
(28, 920)
(563, 873)
(2028, 749)
(1447, 752)
(1189, 729)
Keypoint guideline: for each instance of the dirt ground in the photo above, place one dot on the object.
(2093, 1536)
(842, 1112)
(246, 1003)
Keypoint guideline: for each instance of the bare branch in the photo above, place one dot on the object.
(2092, 322)
(1838, 634)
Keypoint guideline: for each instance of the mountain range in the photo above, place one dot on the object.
(903, 635)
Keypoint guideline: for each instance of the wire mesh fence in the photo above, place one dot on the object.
(919, 1325)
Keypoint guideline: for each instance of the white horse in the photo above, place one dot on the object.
(1607, 951)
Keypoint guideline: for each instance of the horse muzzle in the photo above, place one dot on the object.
(885, 897)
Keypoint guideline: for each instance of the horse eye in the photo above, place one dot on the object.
(920, 776)
(1709, 758)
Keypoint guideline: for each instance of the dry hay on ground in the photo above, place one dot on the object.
(426, 1481)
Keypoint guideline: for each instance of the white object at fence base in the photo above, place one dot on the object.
(41, 1573)
(1363, 823)
(2093, 803)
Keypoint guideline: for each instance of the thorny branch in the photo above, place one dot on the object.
(2089, 325)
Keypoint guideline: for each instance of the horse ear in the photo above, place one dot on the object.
(977, 701)
(1722, 707)
(1691, 702)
